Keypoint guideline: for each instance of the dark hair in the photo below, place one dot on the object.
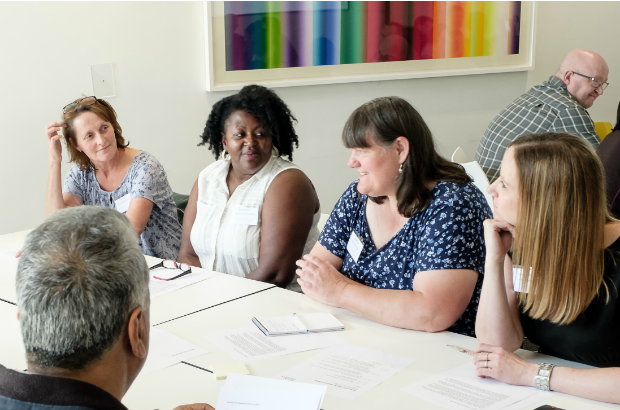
(387, 118)
(617, 127)
(265, 106)
(104, 110)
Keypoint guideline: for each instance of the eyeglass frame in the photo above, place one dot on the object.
(77, 103)
(593, 80)
(176, 266)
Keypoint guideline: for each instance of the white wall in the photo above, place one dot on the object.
(157, 49)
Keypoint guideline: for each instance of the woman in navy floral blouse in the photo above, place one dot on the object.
(404, 245)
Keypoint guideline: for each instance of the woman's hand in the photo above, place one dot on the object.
(502, 365)
(53, 140)
(320, 280)
(498, 238)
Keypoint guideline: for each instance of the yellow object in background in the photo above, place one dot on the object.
(221, 370)
(602, 129)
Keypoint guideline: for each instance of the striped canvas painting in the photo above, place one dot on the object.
(281, 34)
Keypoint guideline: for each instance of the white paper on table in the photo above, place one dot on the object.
(347, 371)
(161, 287)
(249, 343)
(9, 254)
(250, 392)
(460, 389)
(166, 349)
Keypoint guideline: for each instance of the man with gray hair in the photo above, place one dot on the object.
(83, 303)
(557, 105)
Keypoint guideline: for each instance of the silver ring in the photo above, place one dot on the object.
(486, 364)
(487, 358)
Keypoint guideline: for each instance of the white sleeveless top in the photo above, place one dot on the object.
(224, 246)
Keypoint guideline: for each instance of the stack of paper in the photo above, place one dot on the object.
(460, 389)
(348, 371)
(250, 392)
(298, 324)
(167, 349)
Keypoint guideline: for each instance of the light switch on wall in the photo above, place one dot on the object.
(103, 80)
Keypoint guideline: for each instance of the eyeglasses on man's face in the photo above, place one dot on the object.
(171, 264)
(86, 101)
(595, 83)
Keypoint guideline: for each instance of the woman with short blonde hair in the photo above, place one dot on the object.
(108, 173)
(551, 271)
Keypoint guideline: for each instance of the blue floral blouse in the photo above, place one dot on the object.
(145, 178)
(446, 235)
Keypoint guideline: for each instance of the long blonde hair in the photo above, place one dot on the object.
(560, 230)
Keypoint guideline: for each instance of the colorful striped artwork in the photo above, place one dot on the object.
(282, 34)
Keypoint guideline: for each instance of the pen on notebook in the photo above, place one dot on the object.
(300, 322)
(462, 349)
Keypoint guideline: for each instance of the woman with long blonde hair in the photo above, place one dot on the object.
(551, 270)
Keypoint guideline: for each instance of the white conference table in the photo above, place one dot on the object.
(12, 354)
(202, 295)
(227, 302)
(163, 390)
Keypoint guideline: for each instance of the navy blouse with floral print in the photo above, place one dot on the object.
(446, 235)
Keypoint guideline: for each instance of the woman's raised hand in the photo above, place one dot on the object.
(53, 140)
(498, 238)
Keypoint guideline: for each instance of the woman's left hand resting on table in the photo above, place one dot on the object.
(502, 365)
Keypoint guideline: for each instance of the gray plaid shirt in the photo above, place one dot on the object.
(545, 108)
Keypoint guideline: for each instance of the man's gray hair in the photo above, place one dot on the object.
(80, 276)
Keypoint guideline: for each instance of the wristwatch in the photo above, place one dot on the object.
(543, 375)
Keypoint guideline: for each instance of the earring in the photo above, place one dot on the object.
(226, 155)
(400, 169)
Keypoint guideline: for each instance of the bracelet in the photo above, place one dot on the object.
(542, 377)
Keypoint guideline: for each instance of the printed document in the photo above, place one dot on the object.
(258, 393)
(249, 343)
(167, 349)
(9, 254)
(460, 389)
(347, 371)
(161, 287)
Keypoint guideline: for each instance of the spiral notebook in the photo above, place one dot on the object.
(298, 324)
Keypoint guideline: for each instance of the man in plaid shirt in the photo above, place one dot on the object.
(557, 105)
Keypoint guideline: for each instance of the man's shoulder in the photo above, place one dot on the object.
(552, 93)
(32, 391)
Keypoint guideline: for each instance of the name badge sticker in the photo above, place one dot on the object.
(355, 246)
(245, 215)
(122, 203)
(517, 280)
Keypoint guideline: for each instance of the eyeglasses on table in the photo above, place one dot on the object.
(172, 264)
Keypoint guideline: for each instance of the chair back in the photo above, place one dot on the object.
(459, 156)
(476, 173)
(180, 200)
(602, 129)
